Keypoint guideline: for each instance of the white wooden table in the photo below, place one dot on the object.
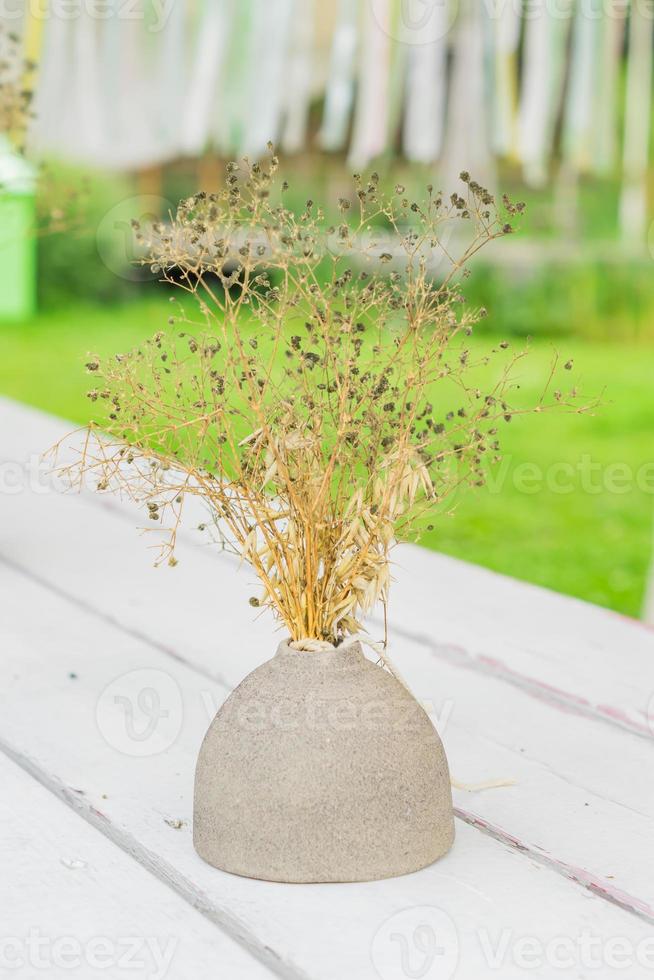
(111, 671)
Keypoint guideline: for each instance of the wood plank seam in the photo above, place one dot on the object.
(580, 876)
(103, 897)
(458, 656)
(232, 926)
(136, 634)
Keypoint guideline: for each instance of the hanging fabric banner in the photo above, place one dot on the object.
(604, 130)
(170, 67)
(397, 72)
(233, 101)
(425, 101)
(584, 62)
(505, 41)
(269, 41)
(340, 85)
(370, 133)
(463, 81)
(110, 48)
(542, 86)
(125, 85)
(467, 139)
(86, 98)
(298, 77)
(203, 89)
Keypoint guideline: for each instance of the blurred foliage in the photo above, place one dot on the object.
(591, 299)
(590, 289)
(78, 257)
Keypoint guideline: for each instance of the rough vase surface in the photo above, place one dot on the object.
(322, 767)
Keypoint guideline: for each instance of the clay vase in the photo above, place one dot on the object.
(322, 767)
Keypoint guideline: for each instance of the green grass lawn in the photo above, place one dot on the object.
(585, 531)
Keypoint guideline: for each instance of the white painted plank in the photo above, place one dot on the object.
(584, 776)
(75, 904)
(485, 890)
(579, 792)
(25, 430)
(593, 660)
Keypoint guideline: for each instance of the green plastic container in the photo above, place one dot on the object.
(17, 235)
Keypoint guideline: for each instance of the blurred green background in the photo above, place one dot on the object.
(570, 507)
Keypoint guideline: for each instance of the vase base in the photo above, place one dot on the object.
(341, 874)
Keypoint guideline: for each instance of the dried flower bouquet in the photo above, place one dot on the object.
(320, 397)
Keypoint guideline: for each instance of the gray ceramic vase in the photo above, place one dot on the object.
(322, 767)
